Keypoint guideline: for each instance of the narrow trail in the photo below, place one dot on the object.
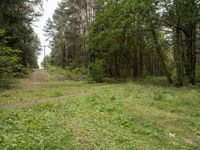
(38, 76)
(35, 79)
(24, 103)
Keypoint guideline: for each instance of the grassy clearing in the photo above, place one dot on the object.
(42, 85)
(131, 115)
(45, 89)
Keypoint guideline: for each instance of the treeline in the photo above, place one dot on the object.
(19, 45)
(127, 38)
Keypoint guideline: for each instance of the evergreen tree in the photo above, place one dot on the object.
(9, 60)
(19, 44)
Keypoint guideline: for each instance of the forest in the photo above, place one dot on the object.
(127, 38)
(116, 39)
(121, 75)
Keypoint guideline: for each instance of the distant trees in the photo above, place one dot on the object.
(129, 38)
(46, 62)
(68, 30)
(18, 42)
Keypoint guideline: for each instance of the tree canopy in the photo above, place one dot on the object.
(130, 38)
(18, 42)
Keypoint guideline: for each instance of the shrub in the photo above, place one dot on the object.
(69, 73)
(97, 71)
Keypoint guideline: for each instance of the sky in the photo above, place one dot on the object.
(49, 7)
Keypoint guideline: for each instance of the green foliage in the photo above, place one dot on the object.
(121, 35)
(97, 71)
(68, 33)
(133, 38)
(69, 73)
(19, 45)
(46, 62)
(16, 18)
(9, 60)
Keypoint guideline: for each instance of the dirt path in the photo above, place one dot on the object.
(24, 103)
(35, 80)
(37, 76)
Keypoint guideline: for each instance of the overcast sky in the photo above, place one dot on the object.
(49, 8)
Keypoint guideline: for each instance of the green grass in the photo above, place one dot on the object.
(45, 89)
(123, 116)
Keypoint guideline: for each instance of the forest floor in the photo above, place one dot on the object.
(41, 112)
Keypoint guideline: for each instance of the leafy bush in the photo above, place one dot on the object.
(68, 73)
(80, 73)
(97, 71)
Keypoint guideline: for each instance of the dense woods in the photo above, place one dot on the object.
(19, 45)
(128, 38)
(118, 39)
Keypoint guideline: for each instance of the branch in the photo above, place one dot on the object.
(175, 26)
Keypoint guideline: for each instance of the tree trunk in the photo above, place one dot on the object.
(158, 50)
(191, 60)
(178, 53)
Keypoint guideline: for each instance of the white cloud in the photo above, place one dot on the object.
(49, 8)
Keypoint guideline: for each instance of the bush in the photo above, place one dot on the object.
(8, 64)
(80, 73)
(69, 73)
(97, 71)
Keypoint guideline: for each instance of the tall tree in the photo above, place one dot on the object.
(16, 18)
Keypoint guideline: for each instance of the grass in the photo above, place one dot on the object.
(45, 89)
(124, 116)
